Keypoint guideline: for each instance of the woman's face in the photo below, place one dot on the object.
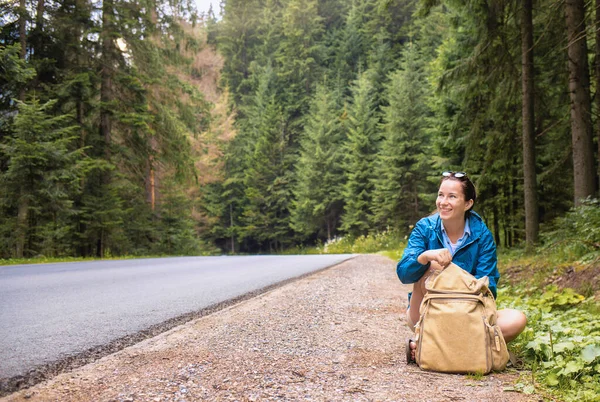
(451, 203)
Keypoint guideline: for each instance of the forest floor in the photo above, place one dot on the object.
(337, 335)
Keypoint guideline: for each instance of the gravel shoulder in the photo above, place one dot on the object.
(337, 335)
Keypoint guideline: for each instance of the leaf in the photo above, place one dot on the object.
(562, 346)
(590, 352)
(552, 379)
(573, 366)
(529, 389)
(549, 364)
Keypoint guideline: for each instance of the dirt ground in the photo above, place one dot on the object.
(337, 335)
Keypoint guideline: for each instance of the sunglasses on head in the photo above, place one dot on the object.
(458, 175)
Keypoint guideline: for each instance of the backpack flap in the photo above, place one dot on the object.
(455, 279)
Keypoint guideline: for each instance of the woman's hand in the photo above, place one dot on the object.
(441, 256)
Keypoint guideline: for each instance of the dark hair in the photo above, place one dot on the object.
(467, 186)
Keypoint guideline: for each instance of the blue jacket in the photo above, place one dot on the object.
(477, 256)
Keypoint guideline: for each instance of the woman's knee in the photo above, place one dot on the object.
(511, 322)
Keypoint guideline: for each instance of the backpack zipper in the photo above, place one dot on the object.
(469, 296)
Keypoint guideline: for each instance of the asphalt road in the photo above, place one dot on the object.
(52, 311)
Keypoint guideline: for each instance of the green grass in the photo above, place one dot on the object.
(50, 260)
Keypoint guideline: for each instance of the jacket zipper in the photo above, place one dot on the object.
(439, 237)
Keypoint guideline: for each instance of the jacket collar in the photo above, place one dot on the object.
(475, 224)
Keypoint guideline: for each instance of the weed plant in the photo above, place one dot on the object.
(389, 240)
(574, 236)
(561, 344)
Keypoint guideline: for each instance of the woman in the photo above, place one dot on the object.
(454, 234)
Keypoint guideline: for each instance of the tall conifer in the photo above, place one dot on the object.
(266, 182)
(403, 162)
(318, 192)
(360, 150)
(41, 177)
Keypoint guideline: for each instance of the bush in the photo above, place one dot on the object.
(576, 235)
(372, 243)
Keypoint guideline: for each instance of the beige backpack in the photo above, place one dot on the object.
(457, 331)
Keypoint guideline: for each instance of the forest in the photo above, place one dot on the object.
(143, 127)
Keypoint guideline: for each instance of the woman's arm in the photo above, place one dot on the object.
(410, 269)
(487, 262)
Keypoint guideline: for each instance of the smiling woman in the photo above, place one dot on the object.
(454, 234)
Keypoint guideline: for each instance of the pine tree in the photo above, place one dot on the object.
(266, 182)
(14, 73)
(318, 192)
(298, 60)
(351, 48)
(473, 111)
(403, 164)
(269, 32)
(360, 151)
(237, 43)
(42, 172)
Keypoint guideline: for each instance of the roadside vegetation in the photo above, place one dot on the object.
(559, 290)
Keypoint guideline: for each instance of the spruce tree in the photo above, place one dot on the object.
(237, 41)
(266, 181)
(318, 198)
(43, 167)
(360, 151)
(14, 73)
(403, 162)
(352, 45)
(298, 61)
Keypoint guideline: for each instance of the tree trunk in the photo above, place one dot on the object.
(80, 63)
(598, 89)
(106, 95)
(579, 91)
(23, 208)
(231, 225)
(39, 19)
(496, 226)
(152, 176)
(39, 25)
(530, 181)
(36, 35)
(22, 40)
(106, 74)
(22, 227)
